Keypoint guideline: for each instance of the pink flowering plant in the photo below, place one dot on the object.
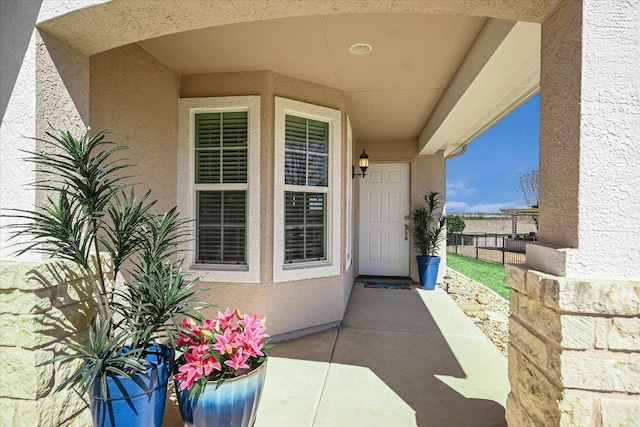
(231, 345)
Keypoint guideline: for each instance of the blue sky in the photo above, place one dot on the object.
(481, 180)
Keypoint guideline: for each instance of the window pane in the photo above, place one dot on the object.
(221, 227)
(295, 207)
(295, 171)
(234, 129)
(208, 170)
(295, 133)
(306, 152)
(221, 148)
(318, 137)
(314, 243)
(207, 130)
(318, 170)
(235, 166)
(304, 226)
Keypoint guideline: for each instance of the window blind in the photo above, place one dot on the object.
(221, 225)
(306, 152)
(221, 148)
(304, 226)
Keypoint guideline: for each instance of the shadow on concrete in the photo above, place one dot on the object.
(388, 364)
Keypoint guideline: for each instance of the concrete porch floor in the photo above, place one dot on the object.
(400, 358)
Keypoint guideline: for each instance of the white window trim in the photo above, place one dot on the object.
(187, 109)
(349, 201)
(307, 270)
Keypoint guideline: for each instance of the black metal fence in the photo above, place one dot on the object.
(498, 248)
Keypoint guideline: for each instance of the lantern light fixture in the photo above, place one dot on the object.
(363, 163)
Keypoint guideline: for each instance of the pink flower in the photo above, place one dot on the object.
(253, 322)
(238, 360)
(210, 363)
(251, 341)
(189, 372)
(226, 318)
(226, 342)
(190, 324)
(182, 340)
(208, 324)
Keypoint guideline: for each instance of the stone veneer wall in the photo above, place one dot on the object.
(574, 355)
(40, 304)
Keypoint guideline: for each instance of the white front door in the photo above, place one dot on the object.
(384, 205)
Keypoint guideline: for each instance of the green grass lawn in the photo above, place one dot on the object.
(489, 274)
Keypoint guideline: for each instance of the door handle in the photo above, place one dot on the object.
(406, 231)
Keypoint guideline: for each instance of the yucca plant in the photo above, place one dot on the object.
(428, 224)
(93, 210)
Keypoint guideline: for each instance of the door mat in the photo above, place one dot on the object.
(404, 286)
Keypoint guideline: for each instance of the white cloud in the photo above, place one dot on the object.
(459, 188)
(457, 207)
(463, 207)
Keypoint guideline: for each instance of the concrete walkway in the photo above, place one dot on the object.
(400, 358)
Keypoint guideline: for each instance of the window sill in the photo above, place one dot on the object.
(223, 273)
(219, 267)
(305, 265)
(303, 271)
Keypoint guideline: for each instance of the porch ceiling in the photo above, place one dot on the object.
(442, 78)
(440, 71)
(390, 92)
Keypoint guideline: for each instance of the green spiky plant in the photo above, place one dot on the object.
(92, 211)
(428, 225)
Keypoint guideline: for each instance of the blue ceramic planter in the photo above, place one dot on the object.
(135, 402)
(231, 403)
(428, 270)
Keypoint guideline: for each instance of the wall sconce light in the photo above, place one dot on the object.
(363, 163)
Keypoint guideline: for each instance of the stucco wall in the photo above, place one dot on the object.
(610, 136)
(588, 141)
(136, 97)
(560, 127)
(117, 23)
(61, 75)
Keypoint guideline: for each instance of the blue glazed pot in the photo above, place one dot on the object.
(428, 270)
(230, 403)
(135, 402)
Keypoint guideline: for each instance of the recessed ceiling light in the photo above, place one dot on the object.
(360, 48)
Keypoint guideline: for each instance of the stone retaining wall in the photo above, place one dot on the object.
(40, 304)
(574, 355)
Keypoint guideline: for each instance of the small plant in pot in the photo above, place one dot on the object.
(428, 229)
(221, 369)
(93, 218)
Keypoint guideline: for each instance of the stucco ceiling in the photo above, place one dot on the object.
(391, 92)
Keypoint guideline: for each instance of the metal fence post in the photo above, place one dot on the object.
(503, 249)
(477, 238)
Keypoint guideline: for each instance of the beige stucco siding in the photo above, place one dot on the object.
(136, 96)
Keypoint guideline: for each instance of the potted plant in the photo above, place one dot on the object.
(221, 371)
(92, 219)
(428, 227)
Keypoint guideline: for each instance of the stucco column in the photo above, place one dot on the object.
(51, 87)
(589, 136)
(574, 356)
